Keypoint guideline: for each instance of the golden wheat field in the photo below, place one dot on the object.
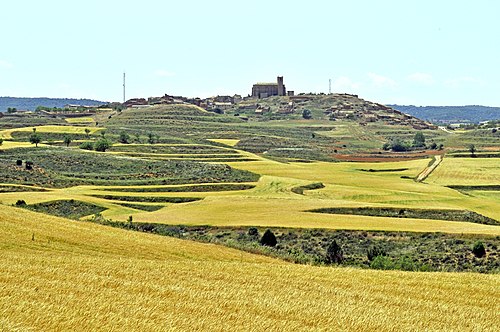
(57, 274)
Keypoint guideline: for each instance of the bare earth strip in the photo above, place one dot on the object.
(428, 170)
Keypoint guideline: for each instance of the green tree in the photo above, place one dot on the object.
(478, 249)
(268, 239)
(102, 145)
(35, 138)
(1, 141)
(334, 253)
(87, 132)
(124, 137)
(306, 114)
(419, 140)
(472, 149)
(67, 140)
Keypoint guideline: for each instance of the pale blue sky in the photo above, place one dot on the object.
(408, 52)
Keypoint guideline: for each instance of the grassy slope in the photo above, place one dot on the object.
(272, 203)
(87, 277)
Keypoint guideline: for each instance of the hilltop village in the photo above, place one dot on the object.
(274, 99)
(267, 101)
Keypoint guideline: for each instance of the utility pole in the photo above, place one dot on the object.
(330, 86)
(124, 100)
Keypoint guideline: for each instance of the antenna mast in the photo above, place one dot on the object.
(124, 87)
(330, 86)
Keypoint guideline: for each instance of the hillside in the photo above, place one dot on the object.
(65, 275)
(451, 114)
(30, 104)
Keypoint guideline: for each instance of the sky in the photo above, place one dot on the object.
(405, 52)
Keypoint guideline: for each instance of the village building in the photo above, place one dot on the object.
(264, 90)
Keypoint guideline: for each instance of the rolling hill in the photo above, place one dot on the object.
(30, 104)
(451, 114)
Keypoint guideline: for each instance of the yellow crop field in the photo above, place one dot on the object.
(13, 145)
(229, 142)
(57, 274)
(86, 119)
(467, 171)
(7, 133)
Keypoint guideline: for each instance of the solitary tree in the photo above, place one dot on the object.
(67, 140)
(87, 132)
(268, 239)
(306, 114)
(334, 253)
(1, 141)
(472, 149)
(35, 138)
(102, 145)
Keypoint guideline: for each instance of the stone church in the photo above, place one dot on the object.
(264, 90)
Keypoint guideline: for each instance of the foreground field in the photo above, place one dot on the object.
(135, 281)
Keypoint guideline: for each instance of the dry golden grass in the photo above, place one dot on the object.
(79, 276)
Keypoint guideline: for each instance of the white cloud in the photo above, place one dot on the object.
(164, 73)
(461, 81)
(344, 84)
(382, 81)
(421, 78)
(5, 64)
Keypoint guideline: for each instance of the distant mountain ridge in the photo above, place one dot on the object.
(32, 103)
(451, 114)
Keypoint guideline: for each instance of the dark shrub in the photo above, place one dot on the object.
(253, 231)
(86, 146)
(478, 249)
(268, 239)
(334, 253)
(20, 202)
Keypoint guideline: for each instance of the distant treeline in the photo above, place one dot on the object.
(451, 114)
(31, 104)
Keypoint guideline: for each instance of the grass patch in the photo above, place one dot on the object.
(493, 187)
(66, 208)
(62, 167)
(406, 251)
(451, 215)
(15, 189)
(371, 170)
(313, 186)
(142, 207)
(149, 199)
(191, 188)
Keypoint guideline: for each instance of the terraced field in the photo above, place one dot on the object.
(186, 166)
(57, 274)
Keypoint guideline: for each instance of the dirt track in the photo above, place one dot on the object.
(429, 169)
